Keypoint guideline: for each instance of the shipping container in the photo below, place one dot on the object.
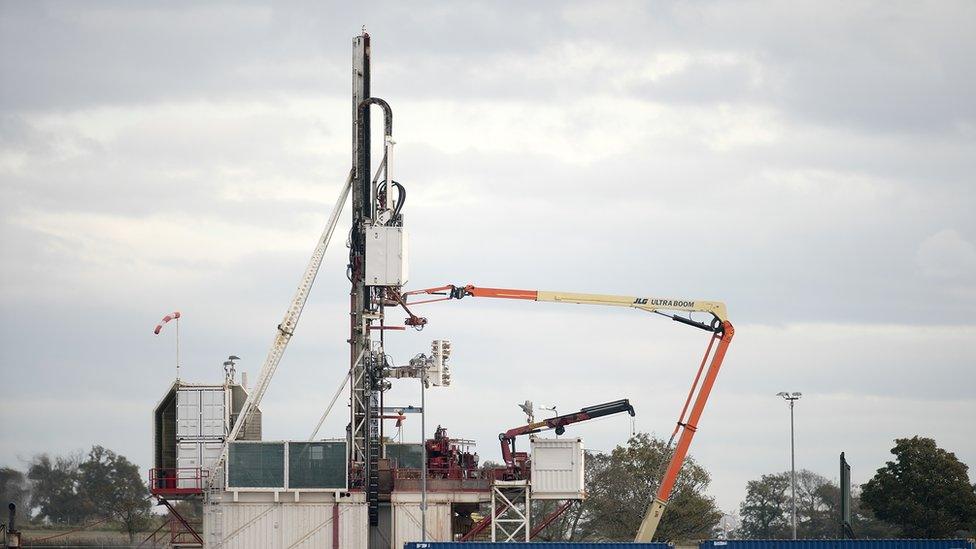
(213, 420)
(200, 412)
(187, 413)
(838, 544)
(534, 545)
(191, 457)
(557, 468)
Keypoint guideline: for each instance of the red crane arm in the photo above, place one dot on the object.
(559, 423)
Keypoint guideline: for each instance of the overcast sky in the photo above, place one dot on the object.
(810, 164)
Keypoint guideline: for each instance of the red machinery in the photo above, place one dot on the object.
(516, 462)
(449, 458)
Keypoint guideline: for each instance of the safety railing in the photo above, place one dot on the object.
(173, 481)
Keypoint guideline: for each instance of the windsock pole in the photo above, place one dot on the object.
(172, 316)
(177, 348)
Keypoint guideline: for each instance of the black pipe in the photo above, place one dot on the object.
(363, 146)
(608, 408)
(694, 323)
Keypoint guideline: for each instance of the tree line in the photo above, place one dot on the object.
(924, 492)
(80, 489)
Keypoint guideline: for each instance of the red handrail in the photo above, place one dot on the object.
(177, 480)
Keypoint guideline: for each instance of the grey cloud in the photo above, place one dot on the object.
(906, 70)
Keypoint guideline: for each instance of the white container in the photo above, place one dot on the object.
(187, 413)
(187, 464)
(191, 458)
(200, 412)
(386, 256)
(557, 468)
(284, 525)
(209, 452)
(212, 414)
(407, 523)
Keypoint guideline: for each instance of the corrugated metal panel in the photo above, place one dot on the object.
(536, 545)
(209, 452)
(212, 410)
(248, 526)
(306, 525)
(187, 413)
(200, 412)
(187, 462)
(557, 468)
(838, 544)
(407, 523)
(353, 524)
(283, 525)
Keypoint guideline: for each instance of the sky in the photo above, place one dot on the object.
(808, 163)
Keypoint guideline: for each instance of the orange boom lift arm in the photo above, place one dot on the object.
(718, 325)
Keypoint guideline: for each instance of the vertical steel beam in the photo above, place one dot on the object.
(364, 398)
(359, 300)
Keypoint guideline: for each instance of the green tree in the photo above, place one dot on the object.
(764, 512)
(54, 490)
(925, 491)
(622, 483)
(112, 484)
(865, 523)
(14, 489)
(767, 512)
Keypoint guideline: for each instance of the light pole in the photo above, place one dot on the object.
(423, 459)
(792, 398)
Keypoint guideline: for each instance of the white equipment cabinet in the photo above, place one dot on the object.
(557, 468)
(386, 256)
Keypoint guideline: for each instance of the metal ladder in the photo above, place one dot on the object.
(212, 501)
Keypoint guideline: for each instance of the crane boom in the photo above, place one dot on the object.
(558, 423)
(651, 304)
(284, 330)
(719, 326)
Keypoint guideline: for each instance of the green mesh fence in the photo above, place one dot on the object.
(317, 465)
(256, 465)
(409, 456)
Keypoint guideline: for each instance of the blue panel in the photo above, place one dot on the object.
(534, 545)
(838, 544)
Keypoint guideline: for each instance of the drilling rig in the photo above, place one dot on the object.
(251, 485)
